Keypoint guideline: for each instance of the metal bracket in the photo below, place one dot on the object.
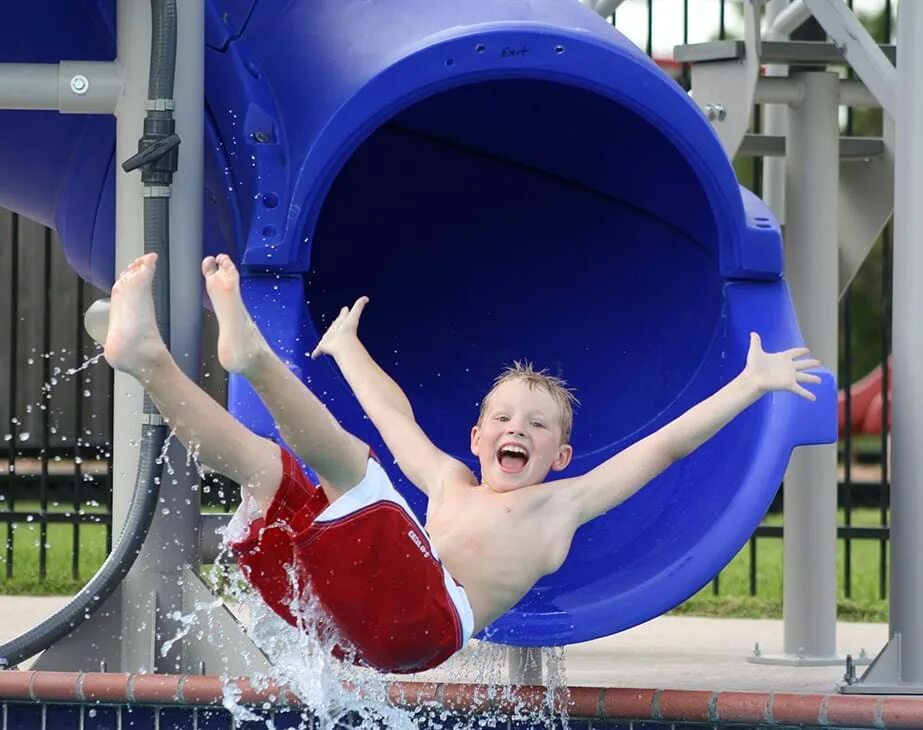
(525, 665)
(724, 90)
(883, 675)
(857, 46)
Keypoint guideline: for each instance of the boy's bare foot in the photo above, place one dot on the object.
(133, 343)
(240, 344)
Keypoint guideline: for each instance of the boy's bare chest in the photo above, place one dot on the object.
(497, 532)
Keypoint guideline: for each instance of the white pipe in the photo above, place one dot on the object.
(71, 87)
(29, 86)
(605, 8)
(786, 90)
(787, 21)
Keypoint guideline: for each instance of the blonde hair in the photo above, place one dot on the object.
(556, 387)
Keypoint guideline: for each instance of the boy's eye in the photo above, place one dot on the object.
(538, 424)
(503, 419)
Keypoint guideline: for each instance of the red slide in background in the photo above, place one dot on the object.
(865, 415)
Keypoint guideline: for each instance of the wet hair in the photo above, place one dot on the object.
(556, 387)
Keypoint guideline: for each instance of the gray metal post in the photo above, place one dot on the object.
(138, 596)
(774, 116)
(899, 667)
(811, 194)
(153, 590)
(907, 474)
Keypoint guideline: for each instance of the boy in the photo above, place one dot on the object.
(401, 598)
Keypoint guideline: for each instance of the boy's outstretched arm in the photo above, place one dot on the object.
(386, 405)
(619, 477)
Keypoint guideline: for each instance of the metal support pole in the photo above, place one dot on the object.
(153, 590)
(774, 124)
(138, 596)
(907, 490)
(898, 669)
(867, 59)
(812, 189)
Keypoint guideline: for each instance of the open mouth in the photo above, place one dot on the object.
(512, 458)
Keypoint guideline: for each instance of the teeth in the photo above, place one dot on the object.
(514, 450)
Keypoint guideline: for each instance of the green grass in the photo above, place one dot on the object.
(863, 604)
(734, 599)
(59, 580)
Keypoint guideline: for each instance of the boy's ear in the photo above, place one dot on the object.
(563, 457)
(475, 440)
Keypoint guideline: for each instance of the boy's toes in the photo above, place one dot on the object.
(224, 261)
(209, 266)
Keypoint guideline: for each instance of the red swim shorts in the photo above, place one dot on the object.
(367, 560)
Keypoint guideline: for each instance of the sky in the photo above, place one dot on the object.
(631, 19)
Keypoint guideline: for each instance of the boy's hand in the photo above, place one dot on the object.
(346, 325)
(780, 370)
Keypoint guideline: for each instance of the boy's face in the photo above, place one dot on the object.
(519, 439)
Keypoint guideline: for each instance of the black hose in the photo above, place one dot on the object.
(157, 155)
(163, 49)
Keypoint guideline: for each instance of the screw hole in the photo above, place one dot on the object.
(559, 50)
(449, 62)
(271, 200)
(269, 232)
(480, 48)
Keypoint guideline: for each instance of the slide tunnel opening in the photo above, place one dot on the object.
(526, 219)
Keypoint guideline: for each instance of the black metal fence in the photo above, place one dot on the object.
(55, 408)
(55, 464)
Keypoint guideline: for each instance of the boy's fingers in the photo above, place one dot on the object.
(359, 306)
(797, 352)
(807, 378)
(803, 392)
(807, 364)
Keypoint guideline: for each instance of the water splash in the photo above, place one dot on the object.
(332, 691)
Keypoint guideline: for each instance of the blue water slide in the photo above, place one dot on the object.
(505, 179)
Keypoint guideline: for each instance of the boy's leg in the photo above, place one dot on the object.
(133, 345)
(338, 457)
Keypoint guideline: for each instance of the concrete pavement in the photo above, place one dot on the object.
(676, 652)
